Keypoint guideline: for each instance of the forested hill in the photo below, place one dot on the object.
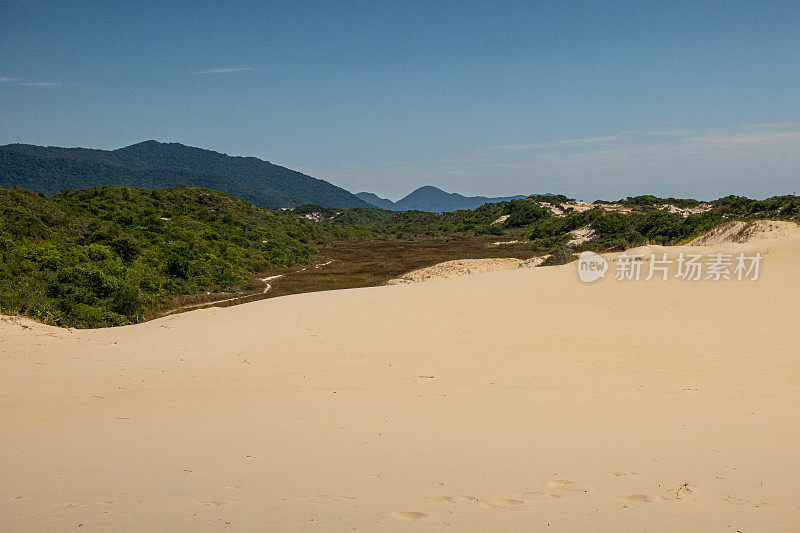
(153, 165)
(111, 255)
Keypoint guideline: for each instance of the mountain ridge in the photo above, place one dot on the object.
(377, 201)
(433, 199)
(153, 164)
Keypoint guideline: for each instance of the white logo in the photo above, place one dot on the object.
(591, 267)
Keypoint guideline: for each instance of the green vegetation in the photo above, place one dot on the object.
(616, 231)
(648, 201)
(117, 255)
(780, 207)
(111, 256)
(528, 219)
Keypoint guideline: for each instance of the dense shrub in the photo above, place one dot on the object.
(104, 256)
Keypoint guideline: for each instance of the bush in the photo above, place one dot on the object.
(559, 255)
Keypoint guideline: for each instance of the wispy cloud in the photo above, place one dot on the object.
(223, 70)
(748, 138)
(747, 134)
(556, 144)
(666, 133)
(40, 84)
(30, 83)
(756, 160)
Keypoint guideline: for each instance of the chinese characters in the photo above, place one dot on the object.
(690, 267)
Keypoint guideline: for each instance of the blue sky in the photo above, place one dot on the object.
(590, 99)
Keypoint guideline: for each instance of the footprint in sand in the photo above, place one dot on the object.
(735, 500)
(620, 474)
(558, 483)
(501, 502)
(533, 493)
(455, 499)
(642, 498)
(740, 501)
(335, 498)
(73, 505)
(408, 515)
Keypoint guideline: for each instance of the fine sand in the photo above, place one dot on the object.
(518, 400)
(749, 232)
(456, 268)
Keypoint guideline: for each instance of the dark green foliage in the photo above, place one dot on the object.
(617, 231)
(524, 213)
(649, 201)
(558, 256)
(786, 207)
(109, 256)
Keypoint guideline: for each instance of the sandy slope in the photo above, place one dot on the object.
(455, 268)
(465, 267)
(744, 232)
(513, 400)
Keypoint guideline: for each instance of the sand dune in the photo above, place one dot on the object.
(743, 232)
(519, 400)
(456, 268)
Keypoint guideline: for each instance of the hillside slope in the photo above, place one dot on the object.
(152, 164)
(115, 255)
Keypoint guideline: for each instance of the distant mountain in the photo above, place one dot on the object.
(433, 199)
(376, 200)
(152, 164)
